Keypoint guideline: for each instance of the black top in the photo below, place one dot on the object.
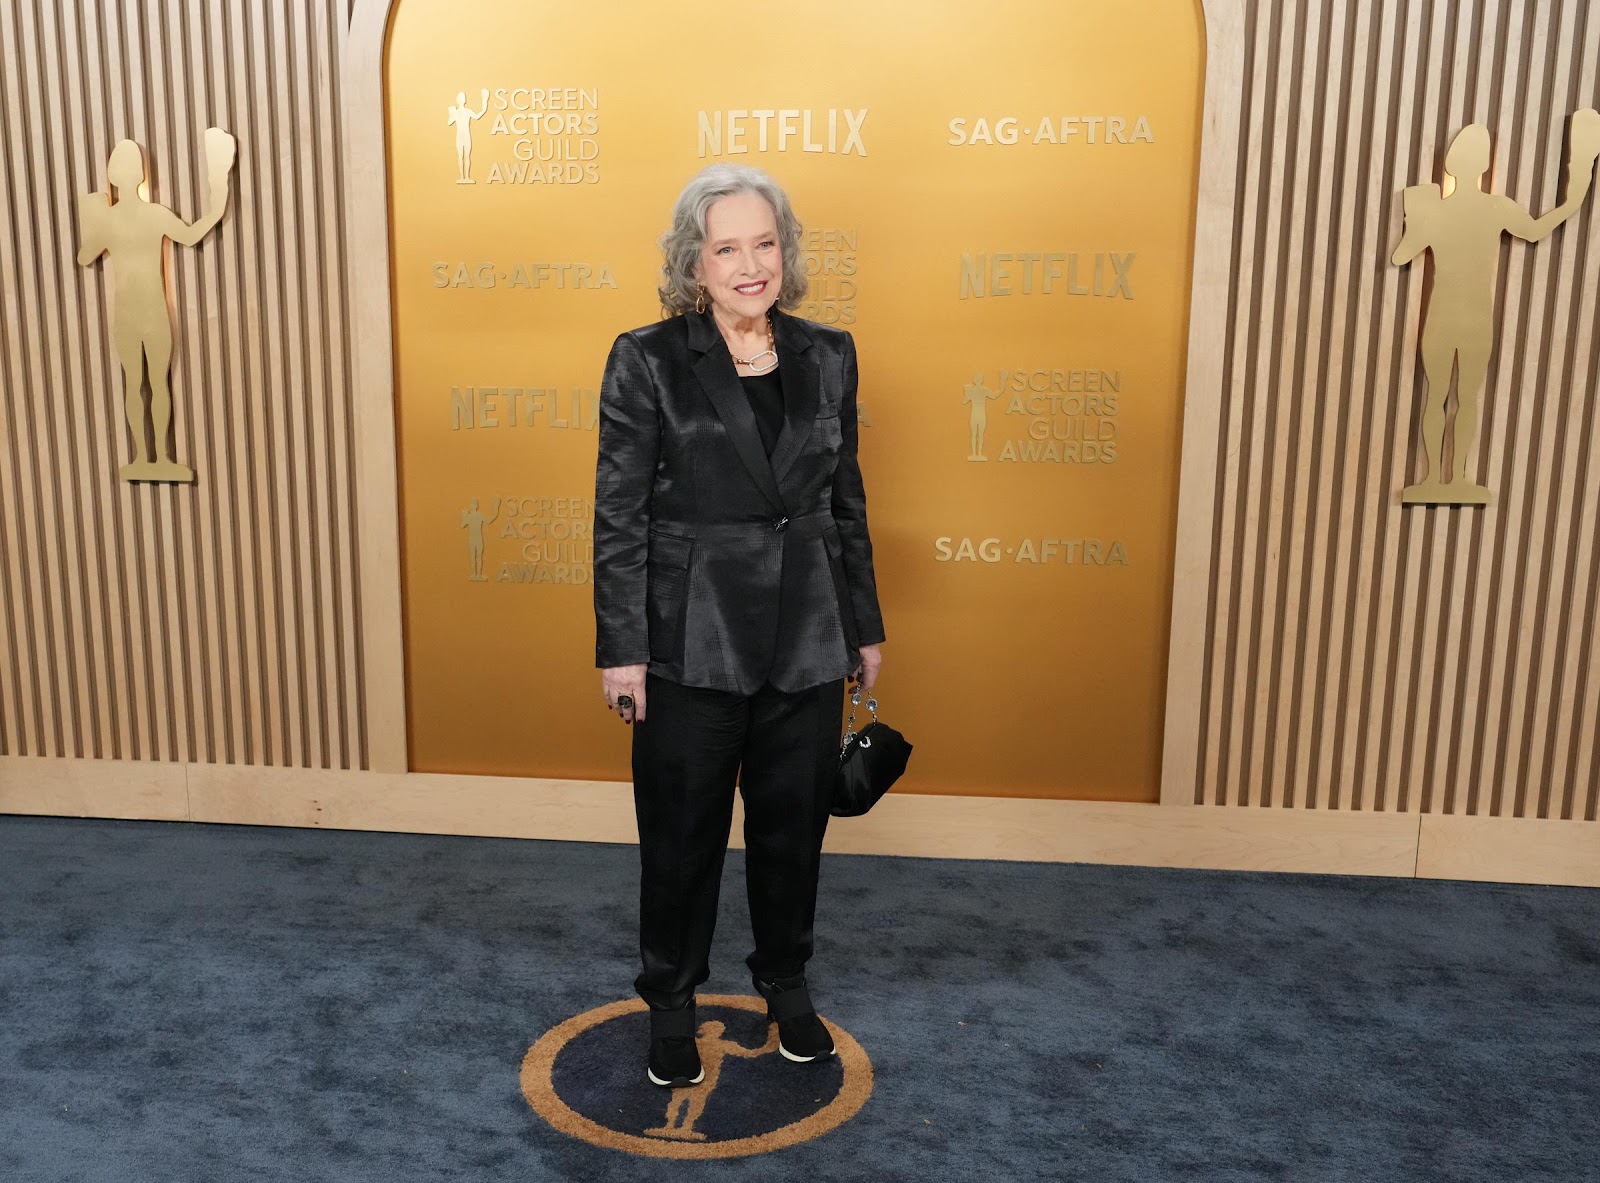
(765, 392)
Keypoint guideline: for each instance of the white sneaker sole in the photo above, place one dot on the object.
(654, 1079)
(789, 1055)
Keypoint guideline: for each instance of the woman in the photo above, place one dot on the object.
(734, 593)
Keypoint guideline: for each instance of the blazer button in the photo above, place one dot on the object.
(780, 523)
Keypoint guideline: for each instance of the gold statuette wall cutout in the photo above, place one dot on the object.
(133, 231)
(1461, 224)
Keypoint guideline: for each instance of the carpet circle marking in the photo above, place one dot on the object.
(675, 1135)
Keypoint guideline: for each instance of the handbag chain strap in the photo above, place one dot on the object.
(850, 724)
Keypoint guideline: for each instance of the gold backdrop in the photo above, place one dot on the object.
(998, 203)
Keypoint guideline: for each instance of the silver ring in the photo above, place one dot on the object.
(624, 700)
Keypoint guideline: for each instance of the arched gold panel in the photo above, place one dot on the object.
(1007, 237)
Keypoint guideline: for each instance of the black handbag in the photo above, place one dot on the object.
(869, 761)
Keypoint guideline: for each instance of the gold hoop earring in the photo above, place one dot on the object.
(700, 299)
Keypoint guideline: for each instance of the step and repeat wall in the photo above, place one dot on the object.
(962, 178)
(999, 209)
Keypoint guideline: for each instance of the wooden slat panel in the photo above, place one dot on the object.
(1370, 137)
(1365, 655)
(18, 723)
(1299, 50)
(1420, 688)
(212, 573)
(341, 591)
(1264, 228)
(1219, 735)
(1485, 533)
(1576, 728)
(1437, 778)
(1534, 680)
(181, 625)
(64, 522)
(40, 688)
(103, 418)
(214, 622)
(1393, 612)
(1321, 265)
(1511, 432)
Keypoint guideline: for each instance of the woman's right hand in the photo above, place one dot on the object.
(624, 680)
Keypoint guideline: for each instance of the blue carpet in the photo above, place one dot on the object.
(215, 1003)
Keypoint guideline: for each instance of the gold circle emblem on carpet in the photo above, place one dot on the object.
(617, 1098)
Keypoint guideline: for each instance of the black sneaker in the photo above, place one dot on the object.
(802, 1037)
(674, 1058)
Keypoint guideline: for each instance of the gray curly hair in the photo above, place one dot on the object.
(681, 245)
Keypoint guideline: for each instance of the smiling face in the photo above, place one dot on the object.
(741, 262)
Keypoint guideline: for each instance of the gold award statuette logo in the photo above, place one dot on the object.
(133, 231)
(978, 396)
(460, 116)
(547, 539)
(552, 134)
(473, 520)
(1067, 416)
(1461, 225)
(586, 1078)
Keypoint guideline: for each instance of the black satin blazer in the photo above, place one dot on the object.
(713, 564)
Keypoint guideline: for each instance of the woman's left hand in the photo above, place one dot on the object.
(867, 672)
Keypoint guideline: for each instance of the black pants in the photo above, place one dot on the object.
(692, 746)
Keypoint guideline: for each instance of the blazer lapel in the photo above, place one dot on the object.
(714, 369)
(802, 392)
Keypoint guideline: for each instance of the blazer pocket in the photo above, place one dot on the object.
(829, 433)
(666, 593)
(834, 545)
